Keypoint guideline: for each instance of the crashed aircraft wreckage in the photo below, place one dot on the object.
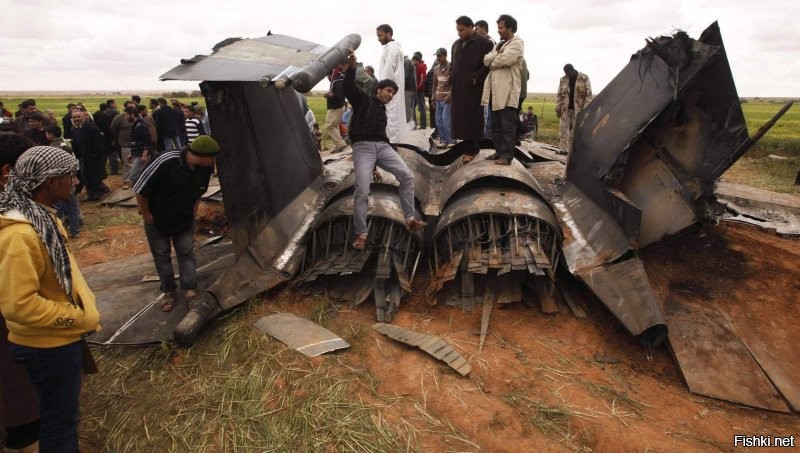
(646, 155)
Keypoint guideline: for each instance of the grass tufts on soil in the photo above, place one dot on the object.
(235, 390)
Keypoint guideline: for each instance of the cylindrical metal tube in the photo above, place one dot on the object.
(305, 79)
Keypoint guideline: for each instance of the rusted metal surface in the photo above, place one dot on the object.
(434, 346)
(624, 288)
(385, 267)
(300, 334)
(713, 359)
(658, 136)
(592, 237)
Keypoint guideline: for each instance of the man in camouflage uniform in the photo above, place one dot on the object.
(574, 93)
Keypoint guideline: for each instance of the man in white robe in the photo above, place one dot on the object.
(391, 67)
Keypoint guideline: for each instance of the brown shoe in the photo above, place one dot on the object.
(415, 225)
(494, 156)
(467, 159)
(502, 161)
(360, 242)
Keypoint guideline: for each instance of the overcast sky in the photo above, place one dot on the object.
(117, 45)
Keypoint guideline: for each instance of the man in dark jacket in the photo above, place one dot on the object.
(371, 147)
(103, 119)
(167, 124)
(87, 143)
(467, 75)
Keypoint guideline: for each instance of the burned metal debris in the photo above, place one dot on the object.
(434, 346)
(646, 155)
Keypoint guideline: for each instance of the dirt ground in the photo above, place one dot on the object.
(557, 383)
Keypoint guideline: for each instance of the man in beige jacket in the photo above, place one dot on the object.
(502, 88)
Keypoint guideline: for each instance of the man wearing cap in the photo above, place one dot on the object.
(466, 80)
(168, 193)
(441, 95)
(47, 305)
(574, 92)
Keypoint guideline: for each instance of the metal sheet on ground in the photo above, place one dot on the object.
(118, 196)
(713, 360)
(774, 346)
(300, 334)
(129, 313)
(434, 346)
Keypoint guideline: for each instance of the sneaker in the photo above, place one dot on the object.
(415, 225)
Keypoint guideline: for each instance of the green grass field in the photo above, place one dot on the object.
(755, 168)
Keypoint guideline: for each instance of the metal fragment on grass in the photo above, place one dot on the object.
(434, 346)
(300, 334)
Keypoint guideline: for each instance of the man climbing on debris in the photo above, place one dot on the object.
(168, 193)
(371, 147)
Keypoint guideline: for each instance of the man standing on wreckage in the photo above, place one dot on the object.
(371, 147)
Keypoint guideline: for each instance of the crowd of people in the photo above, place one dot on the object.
(479, 82)
(48, 309)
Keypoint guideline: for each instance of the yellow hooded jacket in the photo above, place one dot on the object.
(37, 311)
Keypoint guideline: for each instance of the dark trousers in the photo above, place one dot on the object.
(162, 257)
(113, 160)
(56, 375)
(94, 172)
(504, 131)
(419, 101)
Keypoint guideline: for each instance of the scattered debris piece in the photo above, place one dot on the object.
(434, 346)
(300, 334)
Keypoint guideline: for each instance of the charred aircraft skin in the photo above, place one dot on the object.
(494, 231)
(646, 155)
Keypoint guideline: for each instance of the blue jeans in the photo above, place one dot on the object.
(171, 143)
(72, 211)
(443, 122)
(136, 170)
(162, 257)
(366, 155)
(56, 375)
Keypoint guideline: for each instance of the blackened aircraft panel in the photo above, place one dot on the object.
(676, 103)
(269, 155)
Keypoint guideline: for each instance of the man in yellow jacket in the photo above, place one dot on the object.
(48, 306)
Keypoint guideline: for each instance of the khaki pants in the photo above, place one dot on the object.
(332, 119)
(566, 128)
